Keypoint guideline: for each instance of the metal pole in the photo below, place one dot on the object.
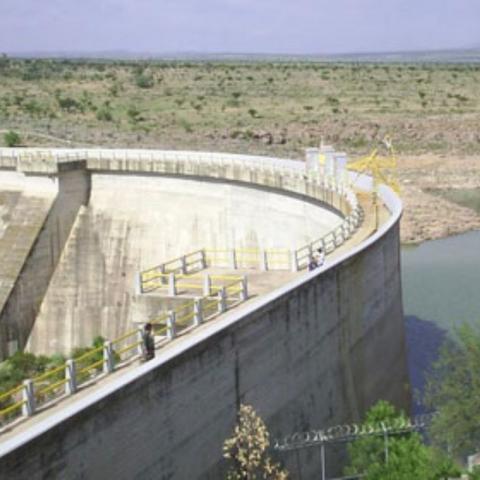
(385, 439)
(322, 454)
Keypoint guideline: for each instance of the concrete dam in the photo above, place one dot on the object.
(214, 246)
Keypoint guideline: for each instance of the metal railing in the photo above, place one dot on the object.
(33, 394)
(60, 382)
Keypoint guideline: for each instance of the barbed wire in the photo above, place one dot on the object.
(350, 432)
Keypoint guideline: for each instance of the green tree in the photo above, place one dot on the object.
(144, 81)
(104, 113)
(395, 457)
(247, 449)
(12, 139)
(453, 392)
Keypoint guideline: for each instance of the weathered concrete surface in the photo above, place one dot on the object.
(133, 222)
(32, 242)
(319, 352)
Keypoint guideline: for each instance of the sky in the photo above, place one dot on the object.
(238, 26)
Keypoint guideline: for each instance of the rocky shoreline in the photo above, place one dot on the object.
(428, 216)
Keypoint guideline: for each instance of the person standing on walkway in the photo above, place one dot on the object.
(148, 342)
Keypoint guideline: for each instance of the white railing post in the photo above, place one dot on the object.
(203, 259)
(222, 297)
(141, 342)
(70, 377)
(233, 259)
(263, 260)
(197, 311)
(138, 284)
(108, 366)
(28, 396)
(172, 287)
(171, 330)
(183, 263)
(294, 261)
(207, 285)
(244, 292)
(162, 277)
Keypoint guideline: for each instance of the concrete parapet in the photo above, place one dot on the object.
(305, 355)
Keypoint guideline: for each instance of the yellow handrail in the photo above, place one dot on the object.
(129, 347)
(10, 408)
(51, 387)
(91, 366)
(11, 392)
(123, 337)
(88, 354)
(48, 374)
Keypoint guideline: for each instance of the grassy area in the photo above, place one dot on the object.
(270, 108)
(467, 197)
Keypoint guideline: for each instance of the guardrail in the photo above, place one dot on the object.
(338, 236)
(60, 382)
(33, 394)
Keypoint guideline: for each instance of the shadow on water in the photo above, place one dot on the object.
(424, 339)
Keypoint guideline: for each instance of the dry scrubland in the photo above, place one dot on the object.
(432, 111)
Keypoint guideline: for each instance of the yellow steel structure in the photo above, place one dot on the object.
(382, 169)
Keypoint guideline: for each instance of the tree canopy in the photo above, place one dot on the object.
(453, 392)
(395, 457)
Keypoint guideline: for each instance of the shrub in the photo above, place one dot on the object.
(104, 113)
(144, 81)
(12, 139)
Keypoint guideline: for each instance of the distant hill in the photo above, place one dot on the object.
(471, 55)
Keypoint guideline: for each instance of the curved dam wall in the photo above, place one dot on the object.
(317, 352)
(108, 218)
(136, 221)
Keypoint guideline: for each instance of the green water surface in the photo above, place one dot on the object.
(441, 280)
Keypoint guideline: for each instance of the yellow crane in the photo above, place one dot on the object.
(381, 168)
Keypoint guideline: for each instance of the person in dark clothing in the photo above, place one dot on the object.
(149, 342)
(320, 257)
(312, 264)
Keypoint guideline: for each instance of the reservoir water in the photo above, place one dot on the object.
(441, 290)
(441, 280)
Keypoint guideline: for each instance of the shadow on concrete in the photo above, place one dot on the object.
(424, 339)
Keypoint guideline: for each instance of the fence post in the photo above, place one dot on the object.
(141, 343)
(207, 283)
(139, 284)
(171, 333)
(203, 259)
(28, 396)
(233, 259)
(324, 247)
(108, 366)
(163, 280)
(294, 261)
(244, 292)
(222, 295)
(172, 288)
(197, 311)
(71, 377)
(183, 261)
(263, 260)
